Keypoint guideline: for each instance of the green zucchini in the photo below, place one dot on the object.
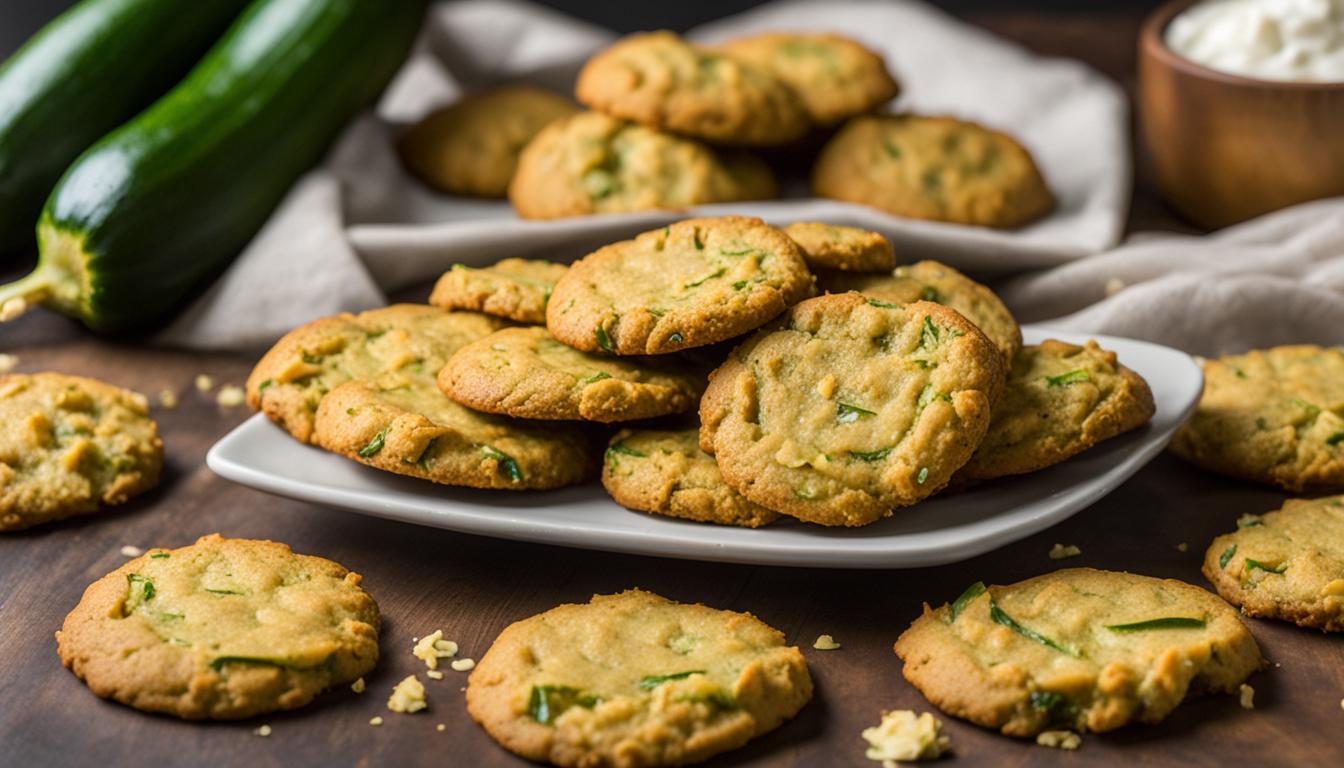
(88, 71)
(153, 212)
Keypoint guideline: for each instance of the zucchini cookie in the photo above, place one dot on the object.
(831, 246)
(635, 679)
(661, 81)
(1060, 400)
(934, 168)
(471, 147)
(406, 426)
(693, 283)
(835, 76)
(311, 360)
(592, 163)
(523, 372)
(1273, 416)
(666, 473)
(935, 281)
(222, 629)
(70, 445)
(1287, 564)
(1078, 649)
(516, 289)
(852, 408)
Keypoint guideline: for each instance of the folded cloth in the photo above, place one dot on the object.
(358, 227)
(1278, 279)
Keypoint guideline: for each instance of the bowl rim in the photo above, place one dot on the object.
(1153, 39)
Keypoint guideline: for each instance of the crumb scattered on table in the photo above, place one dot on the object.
(130, 550)
(825, 643)
(204, 383)
(1061, 551)
(230, 396)
(433, 647)
(440, 727)
(903, 736)
(1059, 739)
(264, 730)
(167, 399)
(358, 686)
(463, 665)
(434, 674)
(375, 720)
(1247, 696)
(408, 696)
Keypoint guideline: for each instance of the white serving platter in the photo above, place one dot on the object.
(941, 530)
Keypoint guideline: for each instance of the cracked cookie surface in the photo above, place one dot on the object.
(1274, 416)
(851, 408)
(635, 679)
(221, 629)
(934, 168)
(665, 473)
(1287, 564)
(69, 446)
(696, 282)
(1078, 649)
(524, 372)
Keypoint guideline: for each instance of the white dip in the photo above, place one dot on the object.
(1267, 39)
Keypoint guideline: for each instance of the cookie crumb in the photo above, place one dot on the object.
(1182, 547)
(1247, 696)
(408, 696)
(230, 396)
(440, 727)
(1061, 551)
(902, 736)
(358, 686)
(375, 721)
(463, 665)
(7, 362)
(130, 550)
(1114, 286)
(167, 399)
(1341, 703)
(433, 647)
(1059, 739)
(264, 730)
(825, 643)
(204, 383)
(434, 674)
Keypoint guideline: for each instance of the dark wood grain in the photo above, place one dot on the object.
(472, 587)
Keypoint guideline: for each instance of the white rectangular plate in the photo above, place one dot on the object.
(941, 530)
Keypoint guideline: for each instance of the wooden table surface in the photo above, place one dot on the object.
(426, 579)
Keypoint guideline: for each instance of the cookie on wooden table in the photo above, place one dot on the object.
(523, 372)
(935, 281)
(835, 76)
(591, 163)
(696, 282)
(471, 147)
(666, 473)
(851, 408)
(935, 168)
(831, 246)
(514, 289)
(291, 379)
(1287, 564)
(661, 81)
(1077, 649)
(1060, 400)
(635, 679)
(71, 446)
(221, 629)
(1274, 416)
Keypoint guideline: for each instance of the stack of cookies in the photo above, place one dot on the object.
(834, 409)
(672, 125)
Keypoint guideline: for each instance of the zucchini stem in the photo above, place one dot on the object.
(23, 294)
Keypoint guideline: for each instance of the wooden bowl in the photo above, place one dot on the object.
(1227, 148)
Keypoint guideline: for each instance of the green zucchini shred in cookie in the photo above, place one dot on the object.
(848, 414)
(506, 463)
(1065, 379)
(1252, 564)
(547, 702)
(649, 682)
(997, 615)
(375, 445)
(1169, 622)
(1226, 557)
(964, 599)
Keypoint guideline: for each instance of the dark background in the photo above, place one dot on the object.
(20, 18)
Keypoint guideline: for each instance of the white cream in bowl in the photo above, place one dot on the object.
(1297, 40)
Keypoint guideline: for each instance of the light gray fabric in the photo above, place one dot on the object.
(359, 227)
